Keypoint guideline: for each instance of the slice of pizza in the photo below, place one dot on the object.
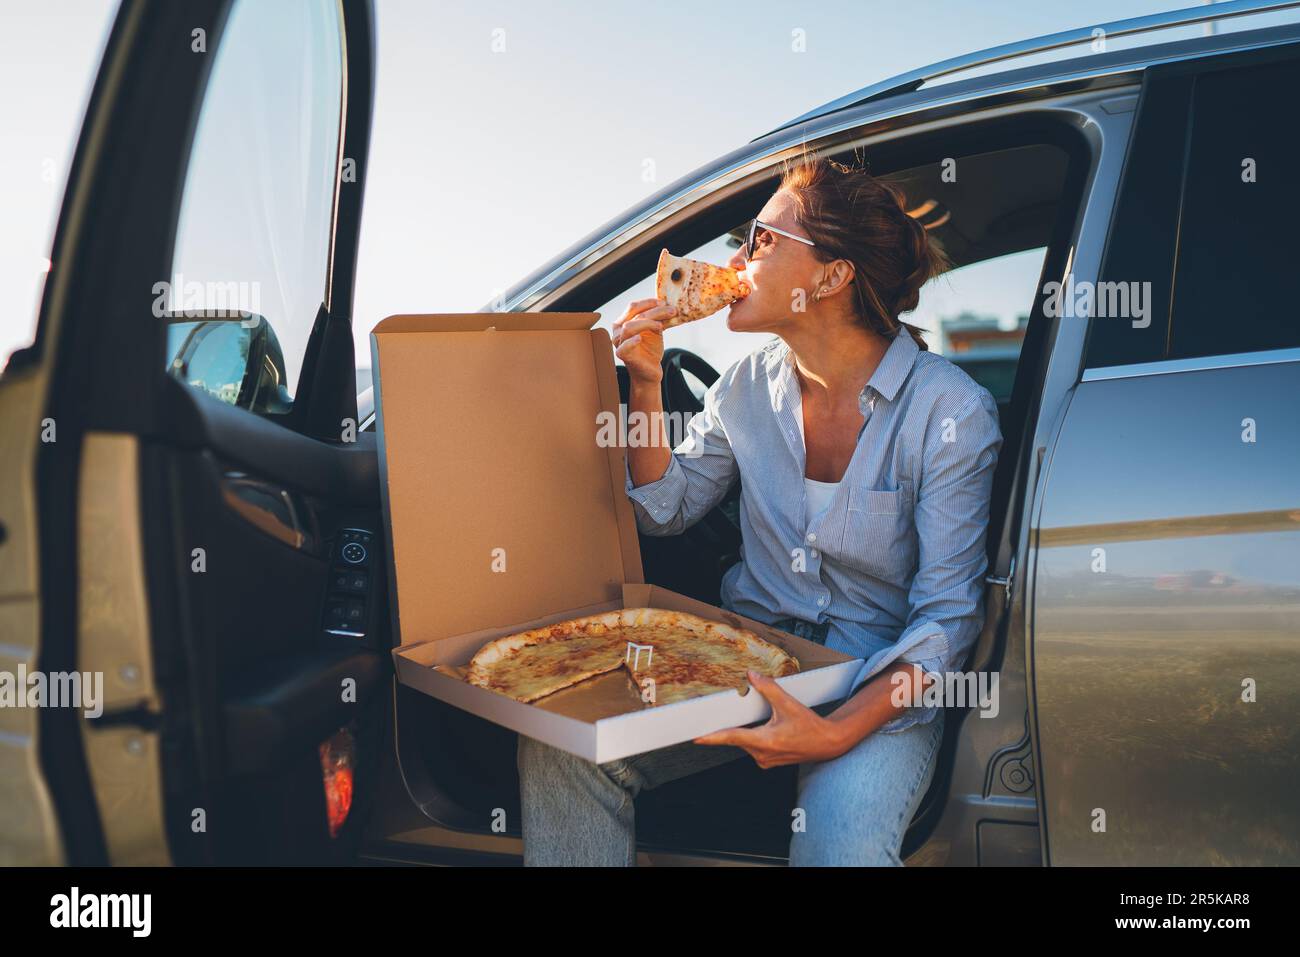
(696, 289)
(533, 664)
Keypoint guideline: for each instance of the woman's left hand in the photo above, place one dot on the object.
(793, 735)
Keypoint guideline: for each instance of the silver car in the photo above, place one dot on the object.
(189, 497)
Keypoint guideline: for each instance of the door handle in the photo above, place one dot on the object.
(268, 507)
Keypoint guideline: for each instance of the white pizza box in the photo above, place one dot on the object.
(505, 511)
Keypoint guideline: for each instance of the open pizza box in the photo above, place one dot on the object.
(507, 510)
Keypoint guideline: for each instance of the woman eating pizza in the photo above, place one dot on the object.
(867, 466)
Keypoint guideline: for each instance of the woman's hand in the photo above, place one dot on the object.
(793, 735)
(639, 340)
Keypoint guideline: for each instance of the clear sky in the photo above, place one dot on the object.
(484, 164)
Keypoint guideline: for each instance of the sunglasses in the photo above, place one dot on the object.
(754, 226)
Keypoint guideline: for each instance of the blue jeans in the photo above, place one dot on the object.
(855, 808)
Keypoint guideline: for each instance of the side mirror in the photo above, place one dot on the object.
(232, 356)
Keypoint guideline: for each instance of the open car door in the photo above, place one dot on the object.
(189, 509)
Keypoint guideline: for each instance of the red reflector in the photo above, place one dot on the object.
(336, 761)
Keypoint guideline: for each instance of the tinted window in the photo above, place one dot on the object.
(1143, 235)
(1234, 289)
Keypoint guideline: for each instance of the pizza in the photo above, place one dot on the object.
(695, 289)
(683, 655)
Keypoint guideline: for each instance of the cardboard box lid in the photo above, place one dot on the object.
(500, 505)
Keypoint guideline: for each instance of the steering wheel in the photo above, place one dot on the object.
(677, 394)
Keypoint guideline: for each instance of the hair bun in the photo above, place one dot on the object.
(852, 215)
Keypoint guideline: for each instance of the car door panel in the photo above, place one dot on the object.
(1151, 616)
(259, 661)
(188, 548)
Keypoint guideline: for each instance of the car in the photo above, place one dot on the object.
(190, 492)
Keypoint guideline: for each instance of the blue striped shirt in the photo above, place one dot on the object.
(894, 567)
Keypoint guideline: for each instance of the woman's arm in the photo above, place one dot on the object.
(670, 489)
(648, 463)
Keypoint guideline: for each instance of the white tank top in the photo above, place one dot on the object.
(817, 495)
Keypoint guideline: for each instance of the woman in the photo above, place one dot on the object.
(867, 465)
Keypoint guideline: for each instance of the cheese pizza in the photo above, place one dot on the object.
(683, 655)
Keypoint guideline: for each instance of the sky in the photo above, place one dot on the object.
(505, 131)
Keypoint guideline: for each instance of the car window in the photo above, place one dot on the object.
(255, 221)
(1202, 232)
(975, 315)
(1234, 289)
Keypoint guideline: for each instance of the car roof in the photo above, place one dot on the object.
(1080, 67)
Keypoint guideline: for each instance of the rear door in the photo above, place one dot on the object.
(1166, 643)
(193, 509)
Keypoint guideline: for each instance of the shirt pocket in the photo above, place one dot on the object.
(880, 534)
